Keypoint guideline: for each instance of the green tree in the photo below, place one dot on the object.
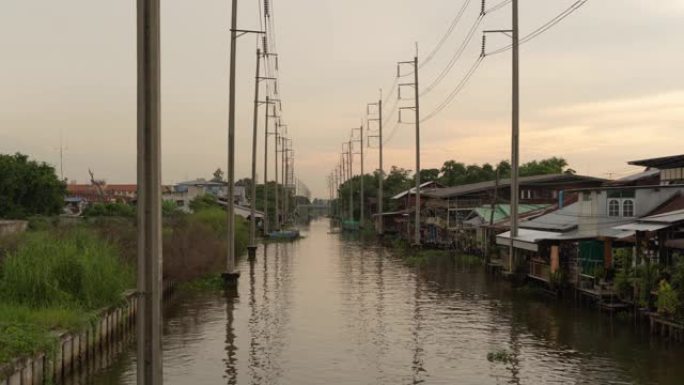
(429, 174)
(552, 165)
(217, 176)
(29, 188)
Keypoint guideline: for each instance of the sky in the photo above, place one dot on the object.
(602, 87)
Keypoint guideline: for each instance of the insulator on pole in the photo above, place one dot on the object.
(265, 43)
(482, 10)
(484, 41)
(267, 8)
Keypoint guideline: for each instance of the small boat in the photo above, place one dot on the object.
(284, 234)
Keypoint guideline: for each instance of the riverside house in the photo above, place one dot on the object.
(640, 215)
(466, 216)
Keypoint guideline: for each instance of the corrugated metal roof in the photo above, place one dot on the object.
(503, 211)
(412, 190)
(636, 226)
(671, 217)
(564, 219)
(661, 163)
(451, 192)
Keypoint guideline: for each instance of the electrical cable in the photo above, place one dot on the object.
(455, 57)
(543, 28)
(448, 33)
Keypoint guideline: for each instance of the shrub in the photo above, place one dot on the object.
(667, 302)
(196, 244)
(110, 210)
(204, 202)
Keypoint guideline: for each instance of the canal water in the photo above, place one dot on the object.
(329, 310)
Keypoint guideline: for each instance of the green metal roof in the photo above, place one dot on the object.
(503, 211)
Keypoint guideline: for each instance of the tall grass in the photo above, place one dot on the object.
(73, 270)
(55, 281)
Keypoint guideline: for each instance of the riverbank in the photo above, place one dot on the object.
(62, 280)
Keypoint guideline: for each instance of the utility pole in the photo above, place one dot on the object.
(515, 127)
(251, 249)
(230, 276)
(275, 164)
(149, 277)
(416, 108)
(515, 142)
(350, 159)
(362, 200)
(381, 175)
(265, 221)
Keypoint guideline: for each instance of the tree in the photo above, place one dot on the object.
(29, 188)
(453, 173)
(552, 165)
(217, 176)
(429, 174)
(245, 182)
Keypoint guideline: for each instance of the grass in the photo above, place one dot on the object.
(56, 281)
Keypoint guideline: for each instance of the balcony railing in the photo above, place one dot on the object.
(540, 270)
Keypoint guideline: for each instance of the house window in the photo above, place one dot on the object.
(628, 208)
(613, 208)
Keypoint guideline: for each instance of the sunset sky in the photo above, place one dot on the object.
(602, 87)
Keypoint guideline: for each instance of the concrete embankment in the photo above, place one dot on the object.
(81, 353)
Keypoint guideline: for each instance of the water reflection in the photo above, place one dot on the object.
(332, 310)
(231, 350)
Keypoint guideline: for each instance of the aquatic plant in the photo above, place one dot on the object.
(502, 356)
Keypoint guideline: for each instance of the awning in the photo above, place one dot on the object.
(526, 239)
(637, 226)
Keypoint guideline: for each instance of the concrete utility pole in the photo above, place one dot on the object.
(515, 128)
(362, 200)
(275, 164)
(251, 249)
(381, 175)
(265, 221)
(350, 159)
(416, 109)
(230, 276)
(415, 74)
(515, 142)
(149, 278)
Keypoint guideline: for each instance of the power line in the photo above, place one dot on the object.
(457, 90)
(545, 27)
(496, 7)
(444, 38)
(455, 57)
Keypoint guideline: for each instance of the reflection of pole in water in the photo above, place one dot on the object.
(253, 327)
(417, 364)
(231, 349)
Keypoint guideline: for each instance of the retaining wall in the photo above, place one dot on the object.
(12, 227)
(79, 354)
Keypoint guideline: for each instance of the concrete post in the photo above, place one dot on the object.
(149, 194)
(251, 249)
(230, 276)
